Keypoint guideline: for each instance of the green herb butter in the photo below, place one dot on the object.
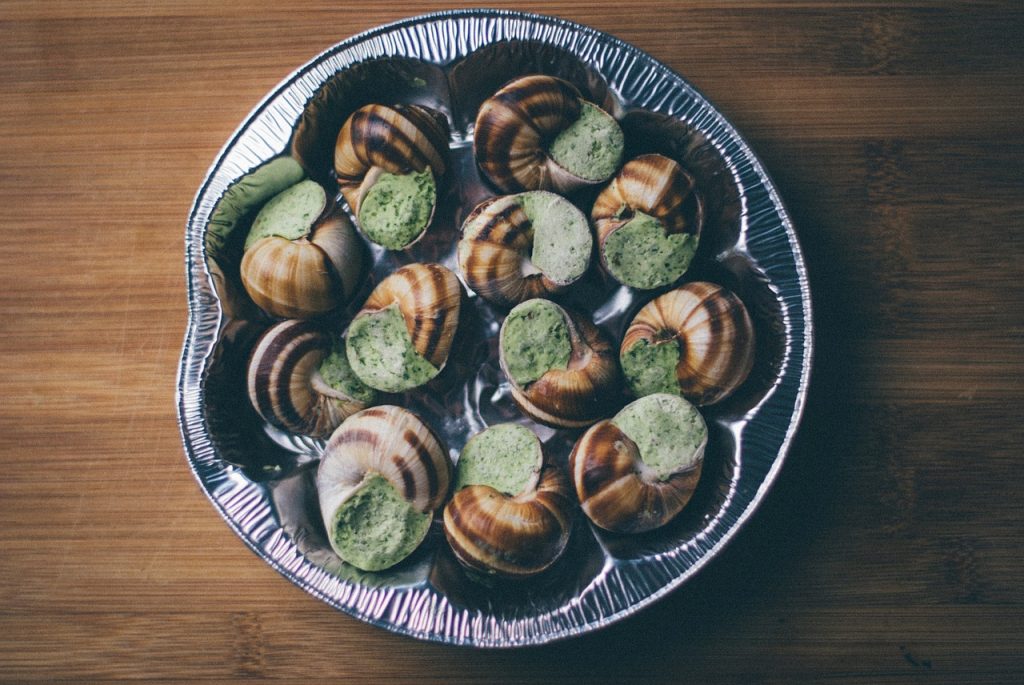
(668, 431)
(534, 339)
(248, 193)
(289, 214)
(591, 147)
(381, 353)
(561, 235)
(641, 255)
(397, 208)
(651, 367)
(506, 457)
(375, 528)
(337, 373)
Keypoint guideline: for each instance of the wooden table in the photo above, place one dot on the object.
(890, 549)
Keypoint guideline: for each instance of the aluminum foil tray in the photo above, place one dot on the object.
(261, 479)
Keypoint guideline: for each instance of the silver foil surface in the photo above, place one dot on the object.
(261, 480)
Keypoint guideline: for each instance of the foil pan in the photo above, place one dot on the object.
(261, 480)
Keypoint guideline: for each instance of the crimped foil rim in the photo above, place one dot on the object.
(423, 612)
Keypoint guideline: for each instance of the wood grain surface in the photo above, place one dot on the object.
(890, 549)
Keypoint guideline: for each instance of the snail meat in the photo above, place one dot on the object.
(520, 246)
(301, 259)
(648, 222)
(696, 341)
(382, 476)
(561, 368)
(388, 162)
(299, 380)
(511, 514)
(636, 471)
(538, 133)
(401, 337)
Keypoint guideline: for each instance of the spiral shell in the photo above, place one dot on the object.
(394, 444)
(428, 298)
(515, 128)
(497, 244)
(658, 187)
(618, 492)
(286, 386)
(715, 339)
(312, 272)
(511, 536)
(575, 396)
(397, 140)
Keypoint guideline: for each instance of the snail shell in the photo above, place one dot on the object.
(382, 476)
(399, 140)
(286, 385)
(696, 341)
(516, 128)
(572, 395)
(512, 536)
(616, 489)
(507, 258)
(299, 261)
(428, 299)
(660, 188)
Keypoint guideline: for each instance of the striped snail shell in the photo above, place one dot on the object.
(514, 537)
(696, 341)
(524, 137)
(379, 142)
(561, 368)
(508, 256)
(636, 471)
(402, 336)
(298, 380)
(302, 258)
(511, 514)
(657, 188)
(382, 476)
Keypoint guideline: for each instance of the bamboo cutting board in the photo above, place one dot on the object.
(889, 550)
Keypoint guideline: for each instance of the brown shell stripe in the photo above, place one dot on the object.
(424, 295)
(600, 458)
(698, 369)
(275, 359)
(429, 468)
(397, 140)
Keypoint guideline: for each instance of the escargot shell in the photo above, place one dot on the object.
(428, 299)
(660, 188)
(616, 488)
(512, 536)
(286, 386)
(514, 131)
(696, 341)
(379, 139)
(507, 257)
(302, 258)
(577, 395)
(385, 447)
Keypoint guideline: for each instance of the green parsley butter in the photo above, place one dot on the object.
(534, 339)
(289, 214)
(375, 528)
(381, 353)
(561, 235)
(337, 373)
(641, 255)
(397, 208)
(591, 147)
(668, 431)
(650, 367)
(506, 457)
